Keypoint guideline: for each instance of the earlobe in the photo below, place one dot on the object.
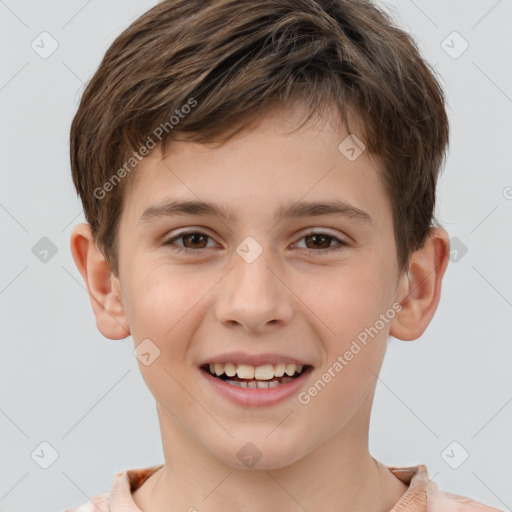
(419, 291)
(102, 285)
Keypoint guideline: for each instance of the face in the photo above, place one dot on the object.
(260, 287)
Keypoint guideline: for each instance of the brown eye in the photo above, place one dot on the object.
(192, 241)
(318, 241)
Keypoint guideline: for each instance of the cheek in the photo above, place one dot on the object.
(346, 299)
(160, 315)
(157, 309)
(353, 357)
(349, 304)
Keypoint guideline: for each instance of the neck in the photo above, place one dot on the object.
(339, 475)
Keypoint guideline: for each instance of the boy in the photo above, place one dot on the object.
(259, 184)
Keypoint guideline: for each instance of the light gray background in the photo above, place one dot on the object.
(63, 383)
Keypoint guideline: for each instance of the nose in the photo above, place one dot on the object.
(255, 296)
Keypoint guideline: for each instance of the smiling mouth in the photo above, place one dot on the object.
(255, 377)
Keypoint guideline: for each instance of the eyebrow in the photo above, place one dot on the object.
(337, 207)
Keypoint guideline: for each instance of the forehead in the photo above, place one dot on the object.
(268, 166)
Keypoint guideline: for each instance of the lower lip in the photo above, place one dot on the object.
(253, 397)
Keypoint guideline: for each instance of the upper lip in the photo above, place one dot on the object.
(238, 357)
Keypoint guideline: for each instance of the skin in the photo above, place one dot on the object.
(296, 298)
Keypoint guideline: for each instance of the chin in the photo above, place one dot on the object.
(260, 455)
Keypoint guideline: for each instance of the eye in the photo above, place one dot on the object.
(321, 240)
(196, 240)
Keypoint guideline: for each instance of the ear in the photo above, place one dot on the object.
(419, 290)
(103, 286)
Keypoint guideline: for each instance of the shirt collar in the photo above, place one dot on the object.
(414, 499)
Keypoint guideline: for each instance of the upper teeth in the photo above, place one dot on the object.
(247, 371)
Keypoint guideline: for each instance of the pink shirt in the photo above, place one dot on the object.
(422, 495)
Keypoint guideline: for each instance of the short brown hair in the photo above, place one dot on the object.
(231, 60)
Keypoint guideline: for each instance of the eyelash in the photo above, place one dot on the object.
(179, 249)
